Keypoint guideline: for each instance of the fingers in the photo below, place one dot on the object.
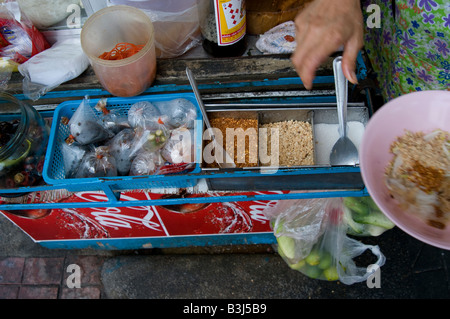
(351, 50)
(321, 29)
(307, 59)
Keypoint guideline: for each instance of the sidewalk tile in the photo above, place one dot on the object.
(9, 291)
(81, 293)
(11, 269)
(90, 269)
(38, 292)
(43, 270)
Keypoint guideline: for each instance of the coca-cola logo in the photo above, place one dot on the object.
(114, 216)
(258, 207)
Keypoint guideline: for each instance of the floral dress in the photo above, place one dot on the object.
(410, 50)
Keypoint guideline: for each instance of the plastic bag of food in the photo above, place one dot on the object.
(180, 147)
(146, 163)
(144, 114)
(364, 218)
(72, 153)
(97, 163)
(113, 120)
(150, 139)
(312, 238)
(19, 38)
(178, 112)
(120, 147)
(84, 125)
(43, 72)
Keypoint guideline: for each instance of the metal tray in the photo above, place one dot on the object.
(321, 175)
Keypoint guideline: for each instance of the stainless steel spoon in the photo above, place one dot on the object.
(344, 152)
(218, 149)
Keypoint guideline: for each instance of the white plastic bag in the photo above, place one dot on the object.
(64, 61)
(279, 39)
(312, 238)
(176, 23)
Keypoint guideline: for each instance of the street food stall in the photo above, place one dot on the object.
(51, 188)
(105, 214)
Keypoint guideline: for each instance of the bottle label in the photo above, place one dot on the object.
(230, 20)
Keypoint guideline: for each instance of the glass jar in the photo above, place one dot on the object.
(23, 143)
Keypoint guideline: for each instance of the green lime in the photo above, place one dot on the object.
(313, 258)
(331, 273)
(312, 272)
(299, 265)
(325, 261)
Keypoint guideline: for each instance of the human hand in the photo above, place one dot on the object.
(321, 29)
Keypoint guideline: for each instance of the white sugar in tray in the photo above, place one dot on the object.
(326, 136)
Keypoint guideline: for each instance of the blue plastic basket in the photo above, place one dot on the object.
(54, 172)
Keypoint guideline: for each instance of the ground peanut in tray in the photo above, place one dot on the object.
(294, 143)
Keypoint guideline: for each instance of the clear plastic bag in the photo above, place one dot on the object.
(180, 147)
(143, 115)
(97, 163)
(113, 120)
(146, 163)
(312, 238)
(121, 147)
(73, 154)
(178, 113)
(84, 125)
(150, 139)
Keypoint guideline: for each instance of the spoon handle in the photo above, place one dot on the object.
(194, 86)
(341, 84)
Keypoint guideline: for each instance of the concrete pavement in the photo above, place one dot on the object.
(29, 271)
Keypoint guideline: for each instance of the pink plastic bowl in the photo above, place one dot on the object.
(419, 111)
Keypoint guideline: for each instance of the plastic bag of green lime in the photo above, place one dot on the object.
(312, 239)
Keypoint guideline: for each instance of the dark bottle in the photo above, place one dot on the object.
(224, 27)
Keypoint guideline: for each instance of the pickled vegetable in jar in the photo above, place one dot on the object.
(23, 143)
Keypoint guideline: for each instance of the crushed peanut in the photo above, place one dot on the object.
(295, 142)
